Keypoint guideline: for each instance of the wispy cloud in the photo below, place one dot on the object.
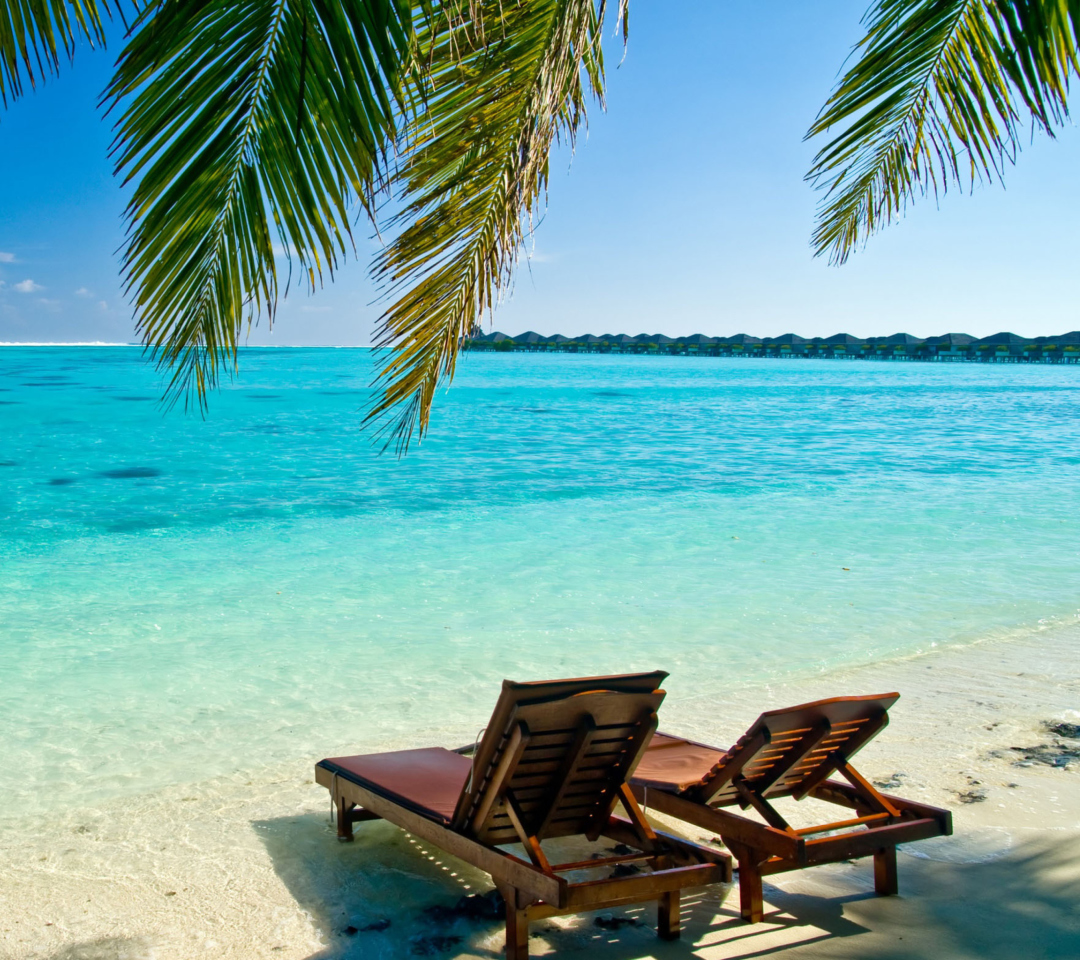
(83, 292)
(53, 305)
(6, 257)
(103, 305)
(28, 286)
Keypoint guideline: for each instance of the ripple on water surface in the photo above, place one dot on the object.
(180, 596)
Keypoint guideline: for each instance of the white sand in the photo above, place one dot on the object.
(249, 868)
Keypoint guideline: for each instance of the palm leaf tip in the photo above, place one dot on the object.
(36, 34)
(938, 93)
(244, 124)
(503, 84)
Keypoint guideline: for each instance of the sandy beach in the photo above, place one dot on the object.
(248, 867)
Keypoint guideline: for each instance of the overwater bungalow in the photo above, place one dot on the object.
(844, 345)
(903, 346)
(530, 341)
(786, 345)
(742, 345)
(1062, 349)
(1008, 347)
(700, 345)
(949, 346)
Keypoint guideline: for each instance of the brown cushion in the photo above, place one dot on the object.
(674, 764)
(427, 781)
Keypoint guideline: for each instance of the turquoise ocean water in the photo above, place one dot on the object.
(180, 598)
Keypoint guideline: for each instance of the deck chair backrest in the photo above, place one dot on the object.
(789, 752)
(555, 755)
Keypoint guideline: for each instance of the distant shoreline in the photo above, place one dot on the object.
(999, 347)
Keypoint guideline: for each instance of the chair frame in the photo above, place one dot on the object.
(762, 849)
(534, 889)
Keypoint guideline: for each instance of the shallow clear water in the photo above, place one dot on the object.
(183, 598)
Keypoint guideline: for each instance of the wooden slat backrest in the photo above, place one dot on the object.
(789, 752)
(558, 760)
(568, 759)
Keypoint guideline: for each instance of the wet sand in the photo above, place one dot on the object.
(248, 867)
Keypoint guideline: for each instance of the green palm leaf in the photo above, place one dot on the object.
(35, 33)
(245, 122)
(504, 81)
(937, 94)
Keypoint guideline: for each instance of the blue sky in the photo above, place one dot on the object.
(683, 210)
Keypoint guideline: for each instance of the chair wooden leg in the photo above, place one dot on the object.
(344, 820)
(517, 928)
(750, 894)
(885, 880)
(669, 923)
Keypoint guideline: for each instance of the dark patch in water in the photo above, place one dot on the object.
(130, 473)
(9, 463)
(132, 398)
(134, 524)
(62, 481)
(537, 409)
(610, 393)
(10, 403)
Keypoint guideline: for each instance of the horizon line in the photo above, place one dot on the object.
(246, 346)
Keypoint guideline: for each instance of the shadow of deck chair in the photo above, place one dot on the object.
(554, 762)
(788, 753)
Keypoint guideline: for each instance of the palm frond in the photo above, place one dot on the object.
(505, 80)
(939, 93)
(35, 34)
(245, 122)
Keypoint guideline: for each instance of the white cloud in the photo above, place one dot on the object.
(103, 305)
(53, 305)
(6, 257)
(28, 286)
(83, 292)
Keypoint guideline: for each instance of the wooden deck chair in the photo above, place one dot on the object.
(553, 762)
(788, 753)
